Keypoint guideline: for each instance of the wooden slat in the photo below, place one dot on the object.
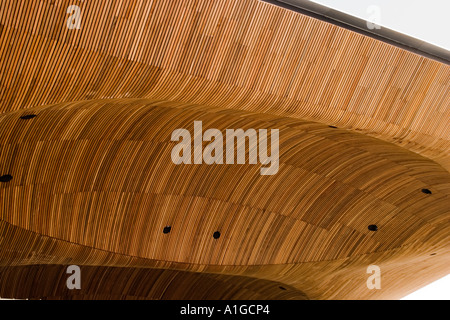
(93, 183)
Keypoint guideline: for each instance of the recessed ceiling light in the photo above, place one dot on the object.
(28, 116)
(6, 178)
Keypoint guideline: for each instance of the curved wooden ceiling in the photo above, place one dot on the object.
(93, 183)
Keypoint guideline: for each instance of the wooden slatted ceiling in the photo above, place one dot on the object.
(235, 54)
(93, 181)
(140, 283)
(327, 279)
(94, 184)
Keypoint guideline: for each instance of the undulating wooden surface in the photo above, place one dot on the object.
(234, 54)
(93, 183)
(98, 174)
(137, 284)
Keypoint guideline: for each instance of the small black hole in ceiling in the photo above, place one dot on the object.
(433, 254)
(426, 191)
(282, 288)
(373, 227)
(334, 127)
(167, 229)
(6, 178)
(216, 235)
(28, 116)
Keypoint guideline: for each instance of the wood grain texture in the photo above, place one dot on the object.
(93, 183)
(139, 284)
